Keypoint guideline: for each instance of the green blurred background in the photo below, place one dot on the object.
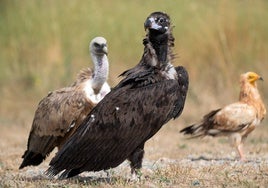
(44, 44)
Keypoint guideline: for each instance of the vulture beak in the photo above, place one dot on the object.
(105, 49)
(156, 24)
(252, 77)
(151, 24)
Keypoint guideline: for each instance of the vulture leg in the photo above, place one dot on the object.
(236, 141)
(240, 152)
(135, 159)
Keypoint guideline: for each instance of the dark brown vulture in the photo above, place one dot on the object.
(235, 120)
(61, 111)
(149, 95)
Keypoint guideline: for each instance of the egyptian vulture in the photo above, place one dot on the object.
(61, 111)
(235, 120)
(149, 95)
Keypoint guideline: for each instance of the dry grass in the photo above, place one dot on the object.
(170, 161)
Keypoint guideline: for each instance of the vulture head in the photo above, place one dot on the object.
(159, 35)
(98, 50)
(250, 77)
(98, 46)
(158, 22)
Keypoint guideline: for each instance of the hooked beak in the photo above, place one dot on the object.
(105, 49)
(151, 24)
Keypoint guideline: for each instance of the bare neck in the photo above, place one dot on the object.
(101, 67)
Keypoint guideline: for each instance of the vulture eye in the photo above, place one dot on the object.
(96, 45)
(161, 20)
(250, 77)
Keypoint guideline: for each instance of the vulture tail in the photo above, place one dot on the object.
(51, 171)
(194, 130)
(31, 158)
(69, 173)
(202, 129)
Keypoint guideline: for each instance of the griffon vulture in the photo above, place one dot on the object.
(235, 120)
(149, 95)
(61, 111)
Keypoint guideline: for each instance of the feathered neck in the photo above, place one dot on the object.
(155, 62)
(101, 67)
(158, 47)
(248, 92)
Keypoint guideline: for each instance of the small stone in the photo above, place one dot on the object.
(196, 183)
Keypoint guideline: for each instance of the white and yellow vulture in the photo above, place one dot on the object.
(235, 120)
(62, 111)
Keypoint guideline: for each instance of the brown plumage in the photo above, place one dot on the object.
(235, 120)
(149, 95)
(62, 111)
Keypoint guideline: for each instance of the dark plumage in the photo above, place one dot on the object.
(151, 93)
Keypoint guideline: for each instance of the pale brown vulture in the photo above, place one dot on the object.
(63, 110)
(235, 120)
(149, 95)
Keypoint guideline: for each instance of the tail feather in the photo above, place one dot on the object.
(192, 129)
(69, 173)
(202, 129)
(51, 171)
(38, 148)
(31, 158)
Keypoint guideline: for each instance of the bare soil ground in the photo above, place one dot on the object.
(170, 161)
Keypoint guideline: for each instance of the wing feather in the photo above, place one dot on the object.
(117, 125)
(234, 117)
(58, 111)
(56, 118)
